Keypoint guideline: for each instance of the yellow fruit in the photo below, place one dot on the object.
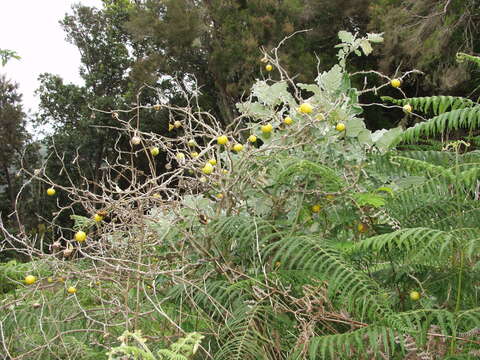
(212, 162)
(154, 151)
(220, 196)
(237, 147)
(266, 129)
(340, 127)
(407, 108)
(316, 208)
(135, 140)
(194, 154)
(177, 124)
(414, 295)
(362, 228)
(207, 169)
(252, 138)
(30, 279)
(192, 143)
(170, 127)
(61, 279)
(72, 290)
(330, 197)
(80, 236)
(157, 106)
(306, 108)
(222, 140)
(203, 179)
(395, 83)
(225, 171)
(51, 191)
(288, 120)
(180, 156)
(156, 196)
(269, 67)
(97, 217)
(50, 280)
(320, 117)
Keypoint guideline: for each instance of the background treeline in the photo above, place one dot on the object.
(211, 46)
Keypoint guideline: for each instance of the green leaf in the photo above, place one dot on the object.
(366, 47)
(354, 127)
(385, 139)
(369, 199)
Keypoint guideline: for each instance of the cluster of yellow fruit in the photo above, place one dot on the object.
(306, 108)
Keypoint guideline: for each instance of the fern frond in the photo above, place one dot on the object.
(467, 118)
(461, 57)
(349, 286)
(243, 339)
(320, 174)
(436, 104)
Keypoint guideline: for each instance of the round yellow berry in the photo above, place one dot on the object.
(407, 108)
(97, 217)
(180, 156)
(306, 108)
(330, 197)
(30, 279)
(362, 227)
(252, 138)
(395, 83)
(268, 67)
(340, 127)
(194, 154)
(177, 124)
(415, 295)
(207, 169)
(237, 147)
(154, 151)
(170, 127)
(220, 196)
(316, 208)
(212, 162)
(51, 191)
(288, 120)
(222, 140)
(50, 280)
(192, 143)
(72, 290)
(266, 129)
(80, 236)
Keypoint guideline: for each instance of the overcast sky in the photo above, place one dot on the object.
(31, 28)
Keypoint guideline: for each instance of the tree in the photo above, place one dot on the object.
(217, 42)
(6, 55)
(13, 137)
(427, 35)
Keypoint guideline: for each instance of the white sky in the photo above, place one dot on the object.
(31, 28)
